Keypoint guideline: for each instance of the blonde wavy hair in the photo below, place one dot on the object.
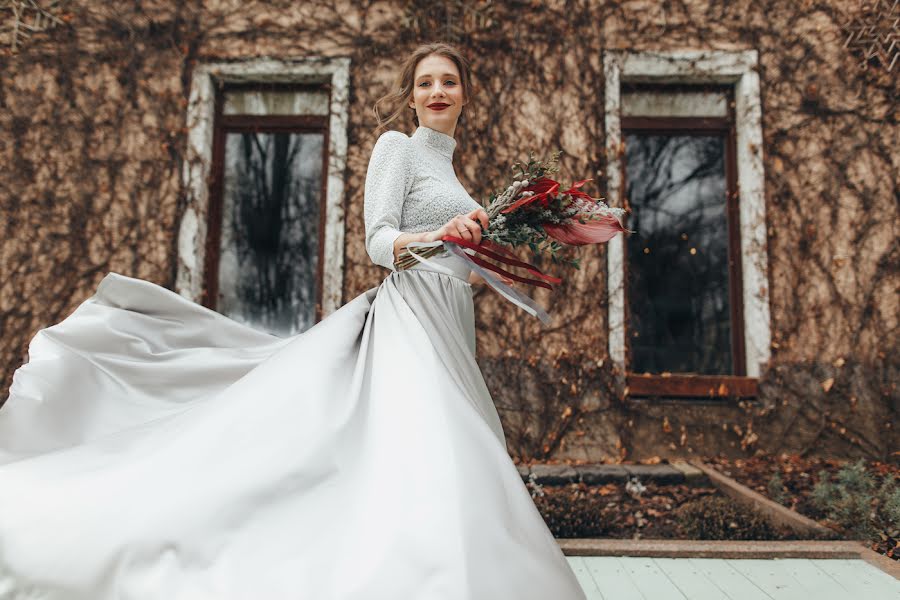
(403, 85)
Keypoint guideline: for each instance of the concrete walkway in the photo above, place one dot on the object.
(662, 578)
(611, 569)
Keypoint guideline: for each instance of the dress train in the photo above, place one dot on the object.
(152, 448)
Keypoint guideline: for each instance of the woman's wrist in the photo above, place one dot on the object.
(404, 238)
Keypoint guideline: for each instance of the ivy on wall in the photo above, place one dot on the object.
(23, 18)
(93, 133)
(874, 34)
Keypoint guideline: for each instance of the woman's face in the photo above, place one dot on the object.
(437, 83)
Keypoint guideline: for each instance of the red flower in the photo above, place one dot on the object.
(543, 187)
(595, 231)
(576, 193)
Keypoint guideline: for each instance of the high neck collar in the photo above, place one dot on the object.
(441, 142)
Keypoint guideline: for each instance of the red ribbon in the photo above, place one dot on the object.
(487, 248)
(529, 267)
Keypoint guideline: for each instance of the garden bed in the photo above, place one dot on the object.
(858, 499)
(649, 511)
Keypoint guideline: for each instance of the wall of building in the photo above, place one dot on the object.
(94, 139)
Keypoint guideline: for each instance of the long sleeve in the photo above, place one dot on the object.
(388, 180)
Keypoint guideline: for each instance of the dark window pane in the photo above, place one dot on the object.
(677, 282)
(270, 230)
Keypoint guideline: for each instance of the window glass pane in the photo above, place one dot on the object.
(276, 102)
(674, 104)
(270, 230)
(677, 282)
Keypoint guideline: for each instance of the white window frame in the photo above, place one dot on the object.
(197, 167)
(738, 68)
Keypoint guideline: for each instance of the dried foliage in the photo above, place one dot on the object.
(93, 122)
(857, 499)
(874, 34)
(25, 17)
(719, 518)
(546, 400)
(842, 408)
(579, 510)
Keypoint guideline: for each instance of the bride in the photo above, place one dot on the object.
(154, 449)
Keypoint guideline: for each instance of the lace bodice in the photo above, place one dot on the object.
(410, 187)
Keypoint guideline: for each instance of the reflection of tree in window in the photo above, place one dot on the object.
(678, 261)
(268, 267)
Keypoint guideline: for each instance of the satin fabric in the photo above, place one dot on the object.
(152, 448)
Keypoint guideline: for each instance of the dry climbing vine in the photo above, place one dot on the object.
(93, 137)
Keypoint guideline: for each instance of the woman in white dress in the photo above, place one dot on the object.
(154, 449)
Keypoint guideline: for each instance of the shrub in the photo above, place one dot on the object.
(848, 500)
(889, 502)
(776, 488)
(572, 513)
(719, 518)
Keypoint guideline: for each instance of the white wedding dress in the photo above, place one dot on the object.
(154, 449)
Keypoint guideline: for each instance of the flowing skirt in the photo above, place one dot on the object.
(152, 448)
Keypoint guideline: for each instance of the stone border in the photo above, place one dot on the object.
(775, 513)
(728, 549)
(675, 473)
(692, 475)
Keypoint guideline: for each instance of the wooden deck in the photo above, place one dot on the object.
(653, 578)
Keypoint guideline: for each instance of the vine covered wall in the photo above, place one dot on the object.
(93, 137)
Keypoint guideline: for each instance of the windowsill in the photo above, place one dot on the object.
(692, 386)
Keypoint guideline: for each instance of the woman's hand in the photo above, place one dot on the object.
(463, 226)
(468, 228)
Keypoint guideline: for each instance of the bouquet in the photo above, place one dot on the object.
(531, 211)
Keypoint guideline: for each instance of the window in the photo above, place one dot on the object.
(678, 287)
(265, 219)
(681, 274)
(261, 237)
